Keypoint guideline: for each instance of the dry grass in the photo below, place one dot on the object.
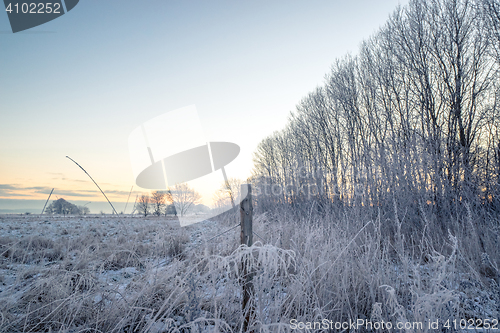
(104, 274)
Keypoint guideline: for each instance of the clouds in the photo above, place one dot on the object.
(63, 187)
(62, 176)
(8, 189)
(16, 190)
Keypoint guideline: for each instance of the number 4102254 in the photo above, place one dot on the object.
(34, 8)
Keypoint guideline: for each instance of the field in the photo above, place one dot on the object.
(133, 274)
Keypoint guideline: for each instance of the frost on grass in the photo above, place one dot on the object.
(149, 275)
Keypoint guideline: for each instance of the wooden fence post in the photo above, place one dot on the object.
(246, 210)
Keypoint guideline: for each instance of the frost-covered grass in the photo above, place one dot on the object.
(123, 274)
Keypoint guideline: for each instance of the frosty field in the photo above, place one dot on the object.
(133, 274)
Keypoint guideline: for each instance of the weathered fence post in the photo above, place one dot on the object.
(246, 210)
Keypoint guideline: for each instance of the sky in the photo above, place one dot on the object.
(79, 85)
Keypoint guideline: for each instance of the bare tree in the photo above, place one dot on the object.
(227, 195)
(491, 17)
(158, 200)
(84, 210)
(413, 119)
(183, 198)
(143, 205)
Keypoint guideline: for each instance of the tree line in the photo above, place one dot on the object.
(179, 199)
(412, 119)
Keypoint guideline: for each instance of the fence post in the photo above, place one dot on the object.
(246, 210)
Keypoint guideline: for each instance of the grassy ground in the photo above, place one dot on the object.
(136, 274)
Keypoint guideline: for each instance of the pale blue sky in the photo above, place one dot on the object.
(78, 85)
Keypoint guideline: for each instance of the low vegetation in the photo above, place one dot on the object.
(136, 274)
